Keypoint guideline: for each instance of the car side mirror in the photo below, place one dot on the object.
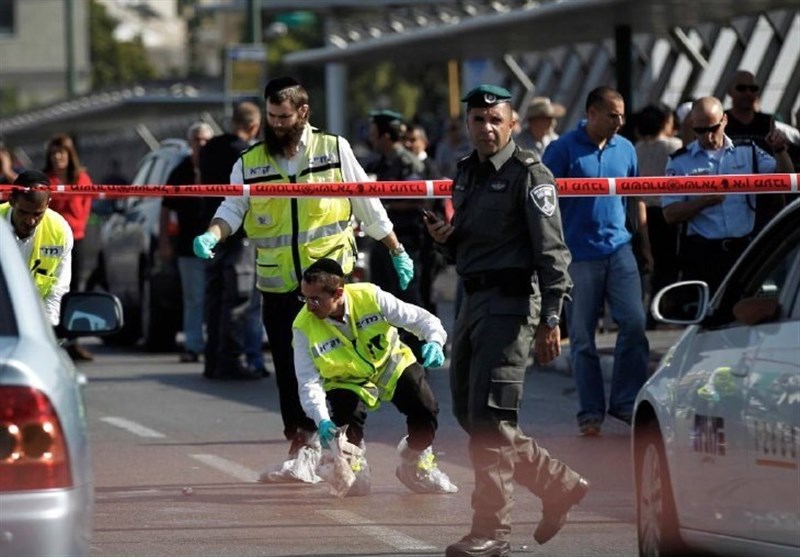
(89, 314)
(682, 303)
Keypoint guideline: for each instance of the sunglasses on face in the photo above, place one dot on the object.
(741, 88)
(707, 129)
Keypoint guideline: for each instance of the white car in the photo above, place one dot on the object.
(46, 487)
(716, 429)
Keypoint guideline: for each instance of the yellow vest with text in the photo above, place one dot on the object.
(291, 233)
(49, 245)
(369, 366)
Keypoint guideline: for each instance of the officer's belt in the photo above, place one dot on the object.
(722, 244)
(512, 282)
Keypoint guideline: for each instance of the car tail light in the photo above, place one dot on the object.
(33, 451)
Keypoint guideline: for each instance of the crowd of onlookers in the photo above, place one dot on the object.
(400, 149)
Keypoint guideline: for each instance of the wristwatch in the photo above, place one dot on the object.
(397, 251)
(552, 321)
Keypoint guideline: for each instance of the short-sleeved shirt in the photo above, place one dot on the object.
(594, 227)
(734, 217)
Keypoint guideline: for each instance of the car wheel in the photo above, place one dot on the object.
(656, 518)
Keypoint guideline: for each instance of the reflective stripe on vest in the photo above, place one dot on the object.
(49, 244)
(290, 234)
(369, 366)
(302, 237)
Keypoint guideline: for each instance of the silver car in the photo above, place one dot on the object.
(716, 429)
(46, 490)
(131, 268)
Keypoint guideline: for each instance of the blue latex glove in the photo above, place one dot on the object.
(327, 431)
(432, 354)
(203, 244)
(405, 269)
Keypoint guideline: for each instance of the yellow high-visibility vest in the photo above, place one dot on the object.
(49, 246)
(371, 364)
(290, 234)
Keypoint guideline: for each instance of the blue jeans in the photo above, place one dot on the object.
(193, 289)
(614, 279)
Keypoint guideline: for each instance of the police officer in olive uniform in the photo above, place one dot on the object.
(508, 246)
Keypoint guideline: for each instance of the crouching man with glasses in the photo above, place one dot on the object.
(347, 353)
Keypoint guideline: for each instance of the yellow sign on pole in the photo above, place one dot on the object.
(246, 70)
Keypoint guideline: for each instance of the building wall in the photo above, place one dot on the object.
(33, 60)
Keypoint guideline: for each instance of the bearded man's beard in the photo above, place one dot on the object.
(290, 137)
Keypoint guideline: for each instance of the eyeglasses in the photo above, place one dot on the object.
(313, 301)
(707, 129)
(742, 87)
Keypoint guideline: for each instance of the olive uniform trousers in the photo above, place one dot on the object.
(491, 347)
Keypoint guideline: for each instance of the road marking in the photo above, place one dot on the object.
(227, 466)
(133, 427)
(126, 494)
(391, 537)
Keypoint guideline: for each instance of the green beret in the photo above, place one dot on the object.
(386, 116)
(486, 95)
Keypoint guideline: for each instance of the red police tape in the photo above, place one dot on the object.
(567, 187)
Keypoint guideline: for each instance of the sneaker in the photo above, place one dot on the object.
(259, 369)
(419, 472)
(590, 428)
(621, 416)
(189, 357)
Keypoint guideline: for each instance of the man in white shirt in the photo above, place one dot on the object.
(348, 353)
(44, 238)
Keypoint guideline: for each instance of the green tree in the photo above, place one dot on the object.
(114, 63)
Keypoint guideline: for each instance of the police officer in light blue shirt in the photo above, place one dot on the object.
(717, 227)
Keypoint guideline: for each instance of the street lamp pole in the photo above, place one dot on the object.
(69, 50)
(253, 24)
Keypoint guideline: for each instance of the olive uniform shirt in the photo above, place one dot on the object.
(507, 217)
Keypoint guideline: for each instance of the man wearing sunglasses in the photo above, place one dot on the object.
(717, 228)
(744, 119)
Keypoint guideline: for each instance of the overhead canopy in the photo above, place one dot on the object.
(535, 27)
(103, 112)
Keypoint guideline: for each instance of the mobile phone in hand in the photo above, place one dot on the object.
(429, 216)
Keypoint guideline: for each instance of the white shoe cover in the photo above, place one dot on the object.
(299, 468)
(419, 472)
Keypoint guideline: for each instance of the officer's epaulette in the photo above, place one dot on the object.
(463, 160)
(526, 157)
(540, 174)
(679, 152)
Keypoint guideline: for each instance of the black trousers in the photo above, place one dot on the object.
(709, 260)
(414, 399)
(225, 306)
(278, 312)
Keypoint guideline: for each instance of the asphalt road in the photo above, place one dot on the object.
(176, 457)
